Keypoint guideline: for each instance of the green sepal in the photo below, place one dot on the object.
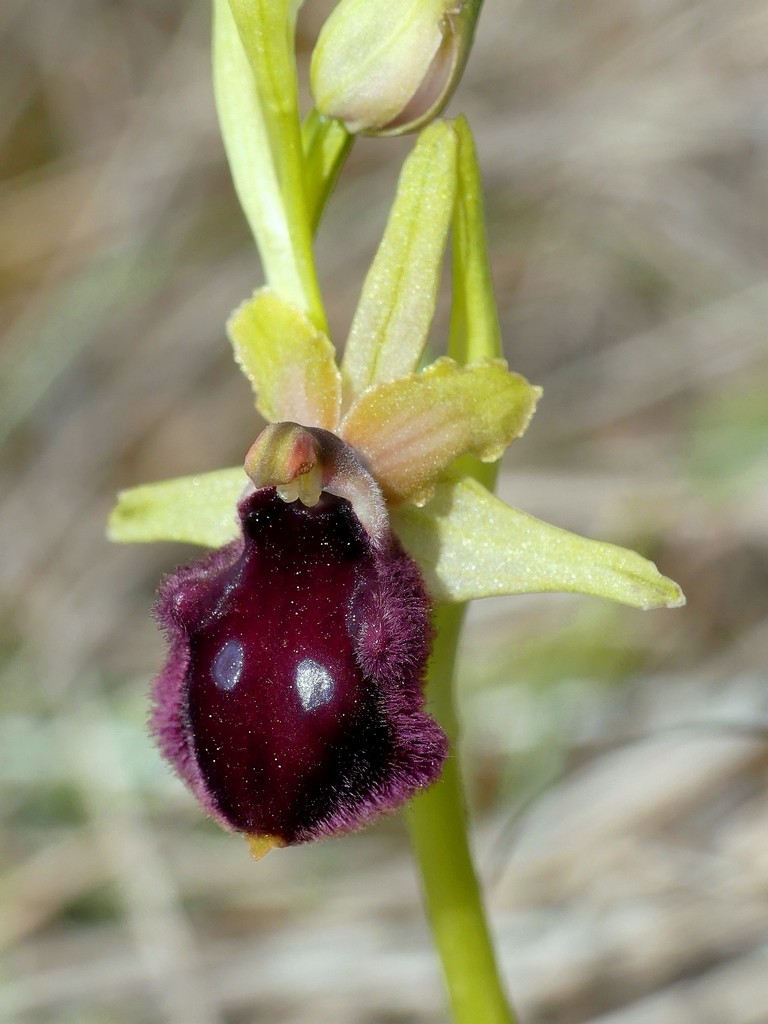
(196, 509)
(391, 324)
(470, 545)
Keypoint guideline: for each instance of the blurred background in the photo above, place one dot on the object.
(616, 761)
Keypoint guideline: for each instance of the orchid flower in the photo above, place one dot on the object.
(292, 699)
(301, 649)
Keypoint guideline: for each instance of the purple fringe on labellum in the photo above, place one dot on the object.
(291, 701)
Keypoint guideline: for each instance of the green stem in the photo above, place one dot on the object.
(438, 827)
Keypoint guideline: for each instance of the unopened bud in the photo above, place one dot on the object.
(385, 67)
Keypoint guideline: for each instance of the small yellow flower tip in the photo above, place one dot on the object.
(260, 846)
(386, 67)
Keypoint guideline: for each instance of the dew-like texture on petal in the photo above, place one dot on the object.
(469, 545)
(290, 364)
(410, 430)
(291, 702)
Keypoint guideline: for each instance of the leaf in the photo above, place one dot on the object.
(469, 545)
(410, 430)
(290, 364)
(391, 324)
(195, 509)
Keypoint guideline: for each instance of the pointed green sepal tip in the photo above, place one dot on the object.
(470, 545)
(192, 509)
(386, 67)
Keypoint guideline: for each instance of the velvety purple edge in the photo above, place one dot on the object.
(394, 651)
(167, 721)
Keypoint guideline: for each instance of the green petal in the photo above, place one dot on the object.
(472, 545)
(194, 509)
(390, 327)
(291, 365)
(410, 430)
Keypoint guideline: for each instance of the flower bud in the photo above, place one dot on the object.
(386, 67)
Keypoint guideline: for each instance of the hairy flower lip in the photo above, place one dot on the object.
(346, 650)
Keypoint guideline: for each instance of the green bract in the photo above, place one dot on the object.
(257, 101)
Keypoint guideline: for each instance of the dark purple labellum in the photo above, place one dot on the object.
(291, 699)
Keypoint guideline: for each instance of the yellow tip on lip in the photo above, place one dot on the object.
(260, 846)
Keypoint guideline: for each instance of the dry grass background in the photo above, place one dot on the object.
(617, 762)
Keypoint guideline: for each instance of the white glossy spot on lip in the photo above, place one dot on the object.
(314, 684)
(228, 665)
